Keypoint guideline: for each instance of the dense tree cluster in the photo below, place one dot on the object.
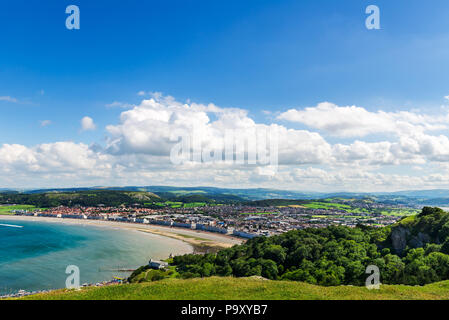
(335, 255)
(108, 198)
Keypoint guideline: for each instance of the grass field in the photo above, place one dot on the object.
(216, 288)
(173, 204)
(357, 210)
(194, 204)
(399, 212)
(5, 210)
(326, 205)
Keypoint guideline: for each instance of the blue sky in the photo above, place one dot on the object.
(255, 55)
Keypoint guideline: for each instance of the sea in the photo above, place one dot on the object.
(34, 255)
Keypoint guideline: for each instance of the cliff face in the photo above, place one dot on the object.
(420, 240)
(399, 237)
(417, 232)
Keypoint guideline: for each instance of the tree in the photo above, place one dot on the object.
(225, 270)
(432, 247)
(208, 270)
(394, 269)
(445, 247)
(299, 275)
(241, 267)
(275, 253)
(426, 211)
(439, 262)
(269, 269)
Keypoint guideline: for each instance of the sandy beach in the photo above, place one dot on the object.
(200, 241)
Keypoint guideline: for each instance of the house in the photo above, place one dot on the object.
(154, 264)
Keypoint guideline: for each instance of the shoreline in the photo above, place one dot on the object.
(197, 241)
(200, 241)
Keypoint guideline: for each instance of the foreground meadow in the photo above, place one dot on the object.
(216, 288)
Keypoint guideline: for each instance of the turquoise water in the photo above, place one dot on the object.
(34, 255)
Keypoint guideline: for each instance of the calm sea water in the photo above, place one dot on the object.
(35, 256)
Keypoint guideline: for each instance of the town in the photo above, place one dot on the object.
(239, 220)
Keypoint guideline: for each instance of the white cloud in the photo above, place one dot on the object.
(117, 104)
(353, 121)
(153, 128)
(8, 99)
(87, 124)
(138, 147)
(45, 123)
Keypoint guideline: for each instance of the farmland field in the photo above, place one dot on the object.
(399, 212)
(326, 205)
(6, 210)
(178, 204)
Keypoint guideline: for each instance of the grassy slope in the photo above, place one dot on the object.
(6, 210)
(216, 288)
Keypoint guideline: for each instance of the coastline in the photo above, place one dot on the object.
(183, 247)
(200, 241)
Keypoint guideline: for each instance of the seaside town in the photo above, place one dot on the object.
(242, 220)
(236, 219)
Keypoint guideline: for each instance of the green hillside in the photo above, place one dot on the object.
(83, 198)
(414, 251)
(7, 210)
(216, 288)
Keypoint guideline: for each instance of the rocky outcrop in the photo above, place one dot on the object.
(419, 241)
(399, 237)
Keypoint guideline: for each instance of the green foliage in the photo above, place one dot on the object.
(426, 211)
(332, 256)
(82, 198)
(7, 210)
(146, 274)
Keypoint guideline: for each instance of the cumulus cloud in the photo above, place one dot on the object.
(138, 148)
(87, 124)
(155, 125)
(353, 121)
(150, 127)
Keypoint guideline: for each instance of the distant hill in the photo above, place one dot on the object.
(437, 197)
(425, 194)
(276, 202)
(245, 194)
(82, 198)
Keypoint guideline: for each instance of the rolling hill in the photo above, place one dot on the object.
(216, 288)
